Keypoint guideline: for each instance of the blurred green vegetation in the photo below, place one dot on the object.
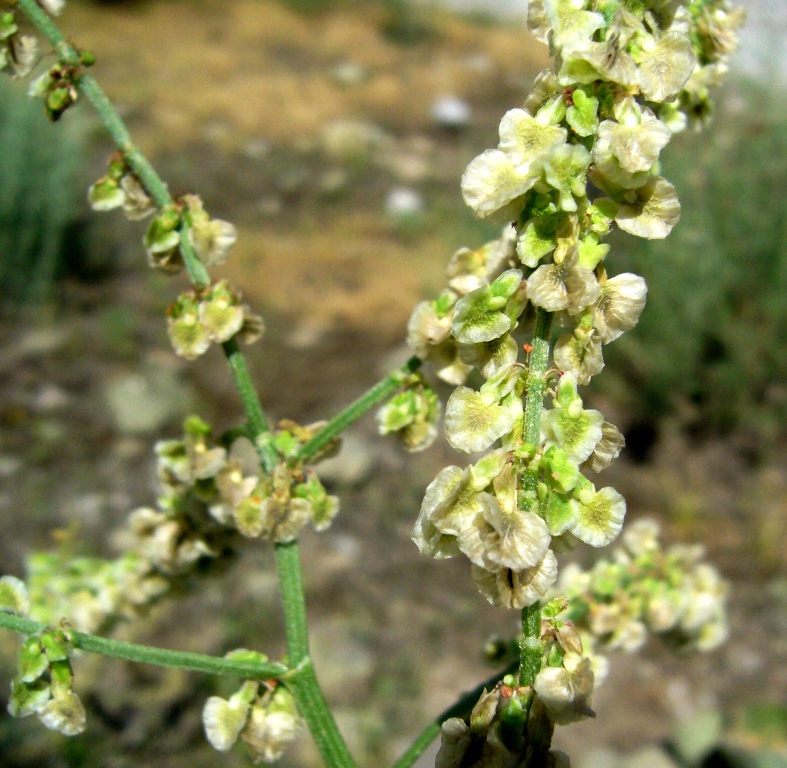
(39, 167)
(711, 344)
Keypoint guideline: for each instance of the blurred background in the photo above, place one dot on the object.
(334, 133)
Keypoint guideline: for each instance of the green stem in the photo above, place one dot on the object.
(304, 685)
(194, 662)
(461, 708)
(530, 646)
(358, 408)
(537, 377)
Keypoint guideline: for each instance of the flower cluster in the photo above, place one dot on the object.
(412, 415)
(262, 715)
(213, 496)
(579, 158)
(644, 588)
(44, 683)
(215, 314)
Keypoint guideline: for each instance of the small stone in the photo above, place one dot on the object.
(451, 112)
(349, 73)
(353, 465)
(404, 203)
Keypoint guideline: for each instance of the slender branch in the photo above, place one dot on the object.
(145, 654)
(358, 408)
(461, 708)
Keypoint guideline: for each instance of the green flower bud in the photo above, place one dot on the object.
(412, 415)
(324, 508)
(538, 239)
(59, 98)
(105, 195)
(590, 252)
(479, 316)
(8, 27)
(565, 170)
(582, 115)
(56, 645)
(562, 470)
(32, 661)
(569, 426)
(162, 240)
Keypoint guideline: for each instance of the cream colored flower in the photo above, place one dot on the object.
(565, 691)
(512, 589)
(600, 516)
(620, 303)
(475, 420)
(565, 286)
(527, 140)
(650, 211)
(493, 184)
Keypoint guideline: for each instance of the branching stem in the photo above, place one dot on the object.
(194, 662)
(359, 407)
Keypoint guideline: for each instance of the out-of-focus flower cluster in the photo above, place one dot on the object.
(44, 683)
(261, 715)
(643, 589)
(577, 159)
(213, 496)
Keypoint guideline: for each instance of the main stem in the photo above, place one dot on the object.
(530, 646)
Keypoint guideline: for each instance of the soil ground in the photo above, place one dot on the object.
(240, 101)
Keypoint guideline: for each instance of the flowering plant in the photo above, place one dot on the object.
(580, 157)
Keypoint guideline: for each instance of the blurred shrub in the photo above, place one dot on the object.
(39, 163)
(712, 340)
